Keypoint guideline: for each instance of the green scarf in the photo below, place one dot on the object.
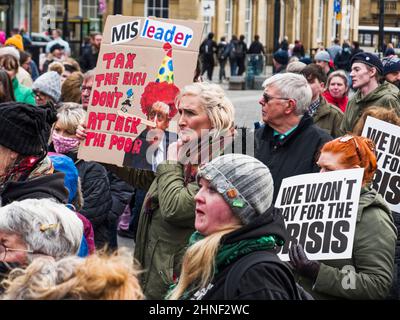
(228, 253)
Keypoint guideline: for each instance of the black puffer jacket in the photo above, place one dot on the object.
(43, 187)
(97, 200)
(121, 193)
(294, 155)
(262, 281)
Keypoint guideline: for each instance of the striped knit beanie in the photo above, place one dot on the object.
(244, 182)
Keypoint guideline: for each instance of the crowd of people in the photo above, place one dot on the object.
(205, 227)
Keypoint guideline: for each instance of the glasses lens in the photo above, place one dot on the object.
(266, 98)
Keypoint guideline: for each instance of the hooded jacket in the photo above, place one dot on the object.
(262, 281)
(371, 265)
(43, 187)
(385, 95)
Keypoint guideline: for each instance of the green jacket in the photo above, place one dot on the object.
(165, 225)
(22, 93)
(372, 259)
(386, 95)
(328, 117)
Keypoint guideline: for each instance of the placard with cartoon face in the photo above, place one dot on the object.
(143, 64)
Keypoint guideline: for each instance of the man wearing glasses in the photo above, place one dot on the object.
(86, 89)
(289, 141)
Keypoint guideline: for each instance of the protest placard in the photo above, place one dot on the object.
(320, 211)
(143, 63)
(387, 177)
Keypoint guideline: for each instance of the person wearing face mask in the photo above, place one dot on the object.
(97, 199)
(391, 70)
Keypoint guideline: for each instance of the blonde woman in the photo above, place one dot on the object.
(167, 216)
(236, 224)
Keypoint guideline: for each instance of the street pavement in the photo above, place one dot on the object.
(247, 111)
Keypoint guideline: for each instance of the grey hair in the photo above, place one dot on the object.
(88, 74)
(47, 227)
(218, 107)
(293, 86)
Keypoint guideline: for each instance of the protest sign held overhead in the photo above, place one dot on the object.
(320, 211)
(387, 176)
(143, 63)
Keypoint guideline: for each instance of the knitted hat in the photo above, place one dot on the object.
(49, 83)
(322, 56)
(24, 128)
(368, 59)
(16, 41)
(11, 51)
(390, 65)
(281, 56)
(244, 182)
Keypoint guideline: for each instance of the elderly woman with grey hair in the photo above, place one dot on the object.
(38, 227)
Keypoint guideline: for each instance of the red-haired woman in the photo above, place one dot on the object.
(369, 272)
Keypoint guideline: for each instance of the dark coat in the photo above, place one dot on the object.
(88, 60)
(294, 155)
(97, 200)
(43, 187)
(262, 281)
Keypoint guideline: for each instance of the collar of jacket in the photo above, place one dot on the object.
(383, 89)
(305, 122)
(322, 110)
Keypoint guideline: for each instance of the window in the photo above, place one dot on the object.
(346, 14)
(248, 20)
(89, 9)
(57, 4)
(157, 8)
(282, 22)
(49, 11)
(21, 16)
(298, 20)
(207, 26)
(228, 19)
(333, 31)
(320, 21)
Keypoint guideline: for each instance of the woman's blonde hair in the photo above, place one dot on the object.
(198, 264)
(97, 277)
(218, 107)
(70, 115)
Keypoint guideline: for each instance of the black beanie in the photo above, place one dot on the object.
(24, 128)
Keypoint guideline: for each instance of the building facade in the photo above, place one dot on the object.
(313, 22)
(369, 22)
